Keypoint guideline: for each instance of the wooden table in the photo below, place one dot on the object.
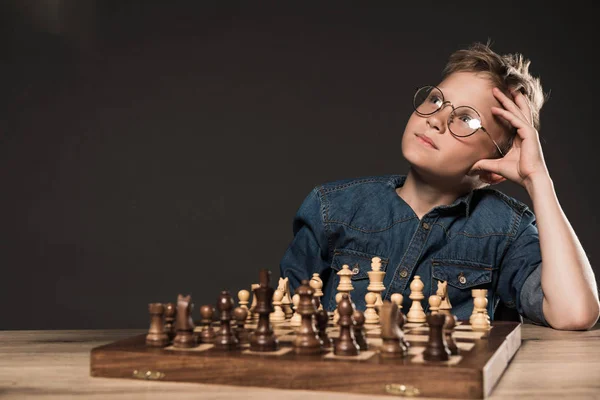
(55, 365)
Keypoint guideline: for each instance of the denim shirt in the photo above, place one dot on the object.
(484, 240)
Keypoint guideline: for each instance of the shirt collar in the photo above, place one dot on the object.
(463, 202)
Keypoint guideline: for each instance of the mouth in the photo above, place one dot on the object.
(426, 141)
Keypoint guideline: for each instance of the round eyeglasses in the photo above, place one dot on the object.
(463, 121)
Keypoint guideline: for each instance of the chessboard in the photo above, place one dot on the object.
(473, 373)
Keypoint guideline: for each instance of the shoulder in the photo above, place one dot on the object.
(360, 185)
(493, 207)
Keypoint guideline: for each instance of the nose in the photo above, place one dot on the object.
(439, 119)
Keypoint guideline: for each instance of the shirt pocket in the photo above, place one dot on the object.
(359, 264)
(461, 275)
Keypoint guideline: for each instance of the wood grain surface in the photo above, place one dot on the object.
(55, 365)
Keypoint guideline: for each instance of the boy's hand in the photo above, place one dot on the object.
(525, 161)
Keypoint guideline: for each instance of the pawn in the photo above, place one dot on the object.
(184, 325)
(225, 339)
(296, 318)
(170, 313)
(253, 314)
(346, 344)
(397, 298)
(434, 303)
(437, 348)
(481, 320)
(336, 314)
(393, 344)
(322, 320)
(448, 333)
(243, 299)
(157, 337)
(371, 316)
(317, 284)
(241, 333)
(278, 315)
(307, 340)
(207, 335)
(359, 330)
(416, 313)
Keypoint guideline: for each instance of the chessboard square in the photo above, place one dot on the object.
(416, 338)
(414, 350)
(418, 359)
(466, 346)
(201, 347)
(363, 355)
(468, 335)
(280, 352)
(413, 325)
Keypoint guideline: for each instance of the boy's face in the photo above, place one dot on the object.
(454, 156)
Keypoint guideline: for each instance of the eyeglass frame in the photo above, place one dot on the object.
(444, 102)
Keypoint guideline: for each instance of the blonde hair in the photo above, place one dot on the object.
(508, 72)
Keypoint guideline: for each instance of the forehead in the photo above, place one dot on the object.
(469, 89)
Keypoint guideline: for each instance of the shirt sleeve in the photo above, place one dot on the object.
(520, 284)
(309, 250)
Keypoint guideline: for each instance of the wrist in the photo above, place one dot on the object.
(536, 182)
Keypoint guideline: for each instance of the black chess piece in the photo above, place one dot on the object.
(307, 341)
(225, 339)
(183, 324)
(322, 320)
(157, 337)
(170, 313)
(346, 344)
(263, 338)
(359, 330)
(241, 333)
(437, 348)
(207, 335)
(448, 331)
(393, 344)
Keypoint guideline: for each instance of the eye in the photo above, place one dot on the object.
(435, 99)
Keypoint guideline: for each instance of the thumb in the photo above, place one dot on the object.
(491, 165)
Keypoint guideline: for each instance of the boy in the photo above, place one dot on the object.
(441, 221)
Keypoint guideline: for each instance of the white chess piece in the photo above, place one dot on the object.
(243, 297)
(345, 286)
(284, 286)
(481, 322)
(278, 315)
(416, 313)
(317, 284)
(296, 318)
(371, 316)
(254, 315)
(376, 276)
(434, 303)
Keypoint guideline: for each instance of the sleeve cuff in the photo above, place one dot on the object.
(532, 298)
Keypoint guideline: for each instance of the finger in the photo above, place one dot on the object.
(524, 129)
(523, 103)
(491, 165)
(508, 103)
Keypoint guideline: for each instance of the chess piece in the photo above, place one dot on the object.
(416, 313)
(296, 319)
(307, 340)
(225, 339)
(317, 284)
(359, 330)
(243, 297)
(448, 332)
(434, 303)
(442, 291)
(207, 334)
(437, 348)
(397, 298)
(479, 293)
(376, 276)
(183, 324)
(346, 344)
(170, 312)
(263, 338)
(393, 344)
(278, 315)
(253, 314)
(336, 314)
(322, 320)
(157, 337)
(371, 316)
(286, 301)
(241, 333)
(481, 321)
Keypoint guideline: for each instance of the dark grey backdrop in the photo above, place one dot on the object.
(148, 150)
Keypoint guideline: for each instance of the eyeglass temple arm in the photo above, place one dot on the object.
(495, 144)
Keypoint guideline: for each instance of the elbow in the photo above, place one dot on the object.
(578, 320)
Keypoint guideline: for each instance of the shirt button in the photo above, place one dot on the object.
(403, 273)
(462, 279)
(425, 226)
(356, 269)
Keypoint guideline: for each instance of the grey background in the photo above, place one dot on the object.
(150, 149)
